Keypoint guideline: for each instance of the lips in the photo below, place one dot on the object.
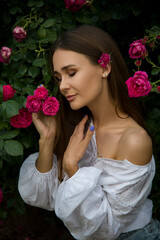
(71, 97)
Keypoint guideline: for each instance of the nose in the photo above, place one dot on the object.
(64, 86)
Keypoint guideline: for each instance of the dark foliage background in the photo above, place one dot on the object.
(126, 21)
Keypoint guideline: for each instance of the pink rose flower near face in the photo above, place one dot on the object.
(22, 120)
(5, 54)
(50, 106)
(137, 49)
(19, 34)
(33, 104)
(1, 195)
(138, 85)
(8, 92)
(74, 5)
(104, 60)
(158, 88)
(41, 93)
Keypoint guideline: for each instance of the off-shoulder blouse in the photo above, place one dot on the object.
(103, 199)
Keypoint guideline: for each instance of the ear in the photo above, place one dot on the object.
(106, 71)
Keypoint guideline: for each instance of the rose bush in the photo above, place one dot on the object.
(139, 85)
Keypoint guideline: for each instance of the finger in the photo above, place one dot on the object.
(37, 122)
(81, 125)
(89, 135)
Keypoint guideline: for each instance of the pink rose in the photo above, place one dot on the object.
(158, 88)
(1, 195)
(41, 93)
(5, 54)
(19, 34)
(33, 104)
(22, 120)
(137, 49)
(138, 85)
(104, 60)
(74, 5)
(50, 106)
(8, 92)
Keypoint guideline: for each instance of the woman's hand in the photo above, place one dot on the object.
(76, 147)
(45, 125)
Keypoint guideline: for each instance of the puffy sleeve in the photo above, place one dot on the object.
(38, 189)
(94, 204)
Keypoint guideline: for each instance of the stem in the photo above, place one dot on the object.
(149, 61)
(155, 82)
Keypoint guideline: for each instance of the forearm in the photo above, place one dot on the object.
(44, 162)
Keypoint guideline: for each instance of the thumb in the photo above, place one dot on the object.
(89, 135)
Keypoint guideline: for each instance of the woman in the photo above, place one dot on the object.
(95, 164)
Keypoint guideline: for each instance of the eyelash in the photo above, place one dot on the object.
(71, 75)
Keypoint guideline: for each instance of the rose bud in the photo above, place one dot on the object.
(19, 34)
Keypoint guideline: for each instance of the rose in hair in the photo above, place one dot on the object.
(74, 5)
(5, 54)
(33, 104)
(19, 34)
(8, 92)
(104, 60)
(137, 49)
(138, 85)
(22, 120)
(41, 93)
(50, 106)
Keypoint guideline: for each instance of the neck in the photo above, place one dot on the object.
(104, 112)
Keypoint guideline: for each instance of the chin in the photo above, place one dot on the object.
(76, 106)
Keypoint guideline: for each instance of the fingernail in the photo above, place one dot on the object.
(92, 128)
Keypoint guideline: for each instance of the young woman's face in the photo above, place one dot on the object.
(79, 80)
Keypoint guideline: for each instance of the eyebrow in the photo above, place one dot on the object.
(65, 67)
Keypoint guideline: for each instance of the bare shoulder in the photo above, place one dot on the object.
(135, 145)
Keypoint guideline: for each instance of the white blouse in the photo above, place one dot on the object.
(103, 199)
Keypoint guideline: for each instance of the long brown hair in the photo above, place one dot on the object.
(92, 42)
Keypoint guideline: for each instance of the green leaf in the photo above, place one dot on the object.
(34, 25)
(40, 20)
(13, 147)
(10, 134)
(1, 143)
(49, 23)
(33, 71)
(39, 4)
(30, 89)
(13, 10)
(39, 62)
(155, 71)
(47, 75)
(10, 108)
(41, 33)
(22, 70)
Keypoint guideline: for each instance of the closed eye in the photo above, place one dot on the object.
(71, 74)
(58, 79)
